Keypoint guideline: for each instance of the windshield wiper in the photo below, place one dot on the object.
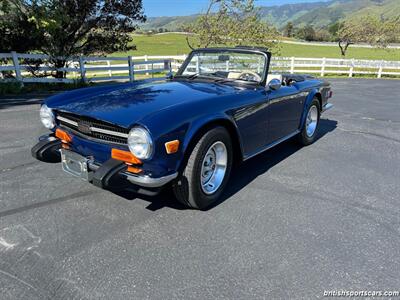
(211, 76)
(193, 76)
(221, 80)
(234, 79)
(190, 77)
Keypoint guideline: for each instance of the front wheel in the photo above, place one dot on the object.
(207, 170)
(309, 131)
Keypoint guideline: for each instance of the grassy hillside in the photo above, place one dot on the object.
(342, 9)
(319, 14)
(169, 23)
(280, 15)
(175, 44)
(386, 9)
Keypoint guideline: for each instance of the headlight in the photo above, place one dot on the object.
(140, 143)
(47, 117)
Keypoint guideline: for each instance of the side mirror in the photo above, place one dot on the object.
(275, 84)
(169, 75)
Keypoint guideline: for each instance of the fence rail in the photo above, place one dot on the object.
(40, 67)
(89, 68)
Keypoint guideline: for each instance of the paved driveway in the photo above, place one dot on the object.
(294, 221)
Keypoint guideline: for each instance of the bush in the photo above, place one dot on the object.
(11, 87)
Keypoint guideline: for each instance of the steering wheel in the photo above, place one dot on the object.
(249, 76)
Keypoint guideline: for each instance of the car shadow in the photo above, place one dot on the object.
(241, 176)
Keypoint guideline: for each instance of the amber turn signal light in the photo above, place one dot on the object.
(125, 156)
(172, 146)
(63, 136)
(133, 170)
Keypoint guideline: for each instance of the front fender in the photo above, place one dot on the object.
(186, 132)
(199, 124)
(184, 122)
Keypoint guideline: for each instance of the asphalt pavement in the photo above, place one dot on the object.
(294, 222)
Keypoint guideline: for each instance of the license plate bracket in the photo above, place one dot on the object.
(75, 164)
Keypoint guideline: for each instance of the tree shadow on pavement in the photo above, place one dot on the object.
(8, 101)
(20, 100)
(241, 176)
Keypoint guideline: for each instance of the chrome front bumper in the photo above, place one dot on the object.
(150, 182)
(102, 175)
(326, 107)
(140, 180)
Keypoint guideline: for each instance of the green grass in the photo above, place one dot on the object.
(164, 44)
(175, 44)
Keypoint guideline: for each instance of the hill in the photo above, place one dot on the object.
(342, 10)
(318, 14)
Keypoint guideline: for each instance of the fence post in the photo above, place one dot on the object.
(147, 66)
(351, 68)
(380, 69)
(109, 70)
(16, 65)
(197, 65)
(131, 69)
(292, 65)
(170, 66)
(323, 67)
(82, 68)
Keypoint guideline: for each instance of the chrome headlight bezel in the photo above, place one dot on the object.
(140, 142)
(47, 117)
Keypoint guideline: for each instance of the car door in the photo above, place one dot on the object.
(251, 118)
(284, 111)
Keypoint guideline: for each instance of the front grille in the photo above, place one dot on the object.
(93, 129)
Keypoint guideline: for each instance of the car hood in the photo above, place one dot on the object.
(125, 104)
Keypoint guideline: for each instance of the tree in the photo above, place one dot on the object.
(369, 29)
(306, 33)
(16, 31)
(67, 28)
(289, 29)
(322, 35)
(231, 23)
(333, 30)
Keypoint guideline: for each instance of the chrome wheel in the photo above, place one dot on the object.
(213, 168)
(312, 121)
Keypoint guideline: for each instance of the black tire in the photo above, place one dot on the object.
(187, 188)
(303, 137)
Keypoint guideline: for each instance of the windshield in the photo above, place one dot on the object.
(225, 65)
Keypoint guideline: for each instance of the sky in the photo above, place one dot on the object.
(157, 8)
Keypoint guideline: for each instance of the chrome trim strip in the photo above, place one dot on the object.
(273, 144)
(150, 182)
(95, 129)
(115, 133)
(327, 106)
(67, 121)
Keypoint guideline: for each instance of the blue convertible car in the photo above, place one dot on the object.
(186, 131)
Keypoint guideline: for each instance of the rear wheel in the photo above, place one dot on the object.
(309, 131)
(207, 170)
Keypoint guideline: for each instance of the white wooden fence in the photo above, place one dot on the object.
(126, 68)
(324, 66)
(86, 68)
